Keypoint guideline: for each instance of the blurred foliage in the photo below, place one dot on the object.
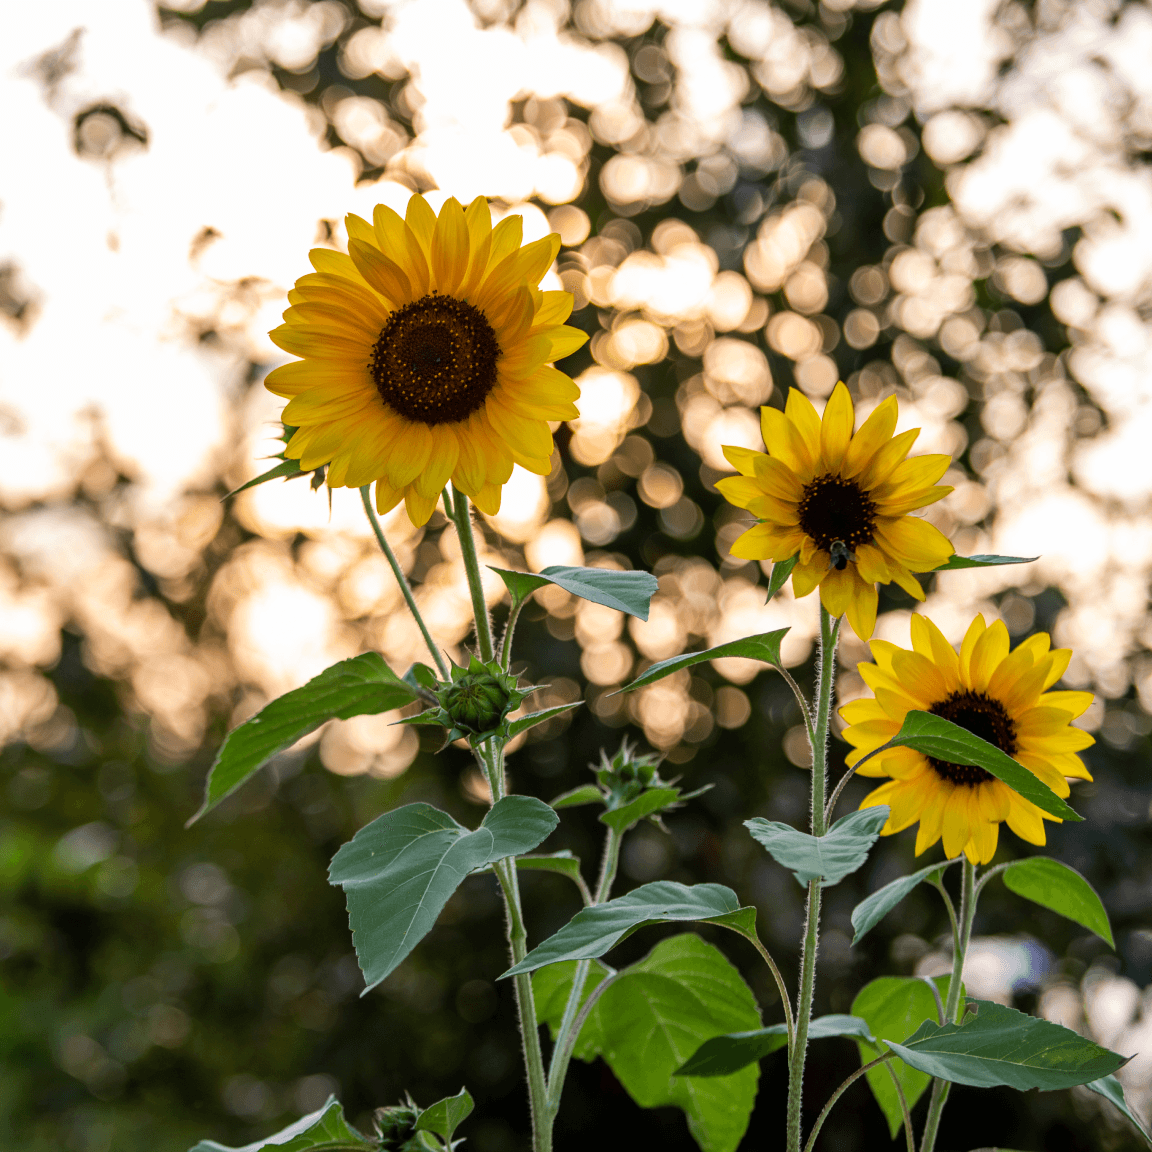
(161, 985)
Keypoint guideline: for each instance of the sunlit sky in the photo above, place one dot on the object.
(144, 256)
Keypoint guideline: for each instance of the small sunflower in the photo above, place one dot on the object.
(839, 500)
(427, 356)
(999, 695)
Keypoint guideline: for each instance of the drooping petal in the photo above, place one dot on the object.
(836, 429)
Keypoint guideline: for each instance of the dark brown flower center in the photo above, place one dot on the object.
(435, 360)
(983, 717)
(837, 515)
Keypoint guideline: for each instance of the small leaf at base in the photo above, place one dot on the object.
(871, 910)
(322, 1129)
(981, 561)
(1054, 885)
(445, 1116)
(1112, 1091)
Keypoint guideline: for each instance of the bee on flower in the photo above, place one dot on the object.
(840, 502)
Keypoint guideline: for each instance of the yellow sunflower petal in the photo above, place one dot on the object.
(1074, 703)
(987, 655)
(956, 825)
(836, 429)
(807, 575)
(871, 436)
(886, 459)
(871, 565)
(742, 459)
(784, 440)
(862, 605)
(450, 248)
(800, 411)
(1026, 820)
(932, 817)
(918, 545)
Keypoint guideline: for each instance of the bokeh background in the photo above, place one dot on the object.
(949, 201)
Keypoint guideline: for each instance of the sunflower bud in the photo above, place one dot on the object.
(396, 1127)
(626, 775)
(478, 698)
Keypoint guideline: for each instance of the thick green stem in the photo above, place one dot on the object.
(402, 580)
(461, 513)
(565, 1039)
(829, 632)
(952, 1010)
(526, 1007)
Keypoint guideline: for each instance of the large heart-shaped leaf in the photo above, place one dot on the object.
(1112, 1091)
(629, 592)
(723, 1055)
(831, 857)
(323, 1129)
(652, 1018)
(593, 931)
(982, 561)
(894, 1007)
(999, 1046)
(871, 910)
(765, 646)
(362, 686)
(399, 871)
(935, 736)
(1054, 885)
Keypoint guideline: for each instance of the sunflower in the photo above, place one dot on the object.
(839, 500)
(427, 356)
(999, 695)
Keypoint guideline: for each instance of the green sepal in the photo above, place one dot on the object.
(523, 723)
(286, 469)
(781, 570)
(421, 676)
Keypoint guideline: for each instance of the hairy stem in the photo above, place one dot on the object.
(829, 632)
(567, 1034)
(461, 513)
(402, 580)
(952, 1010)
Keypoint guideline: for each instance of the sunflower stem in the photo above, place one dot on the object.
(402, 580)
(566, 1037)
(829, 633)
(461, 512)
(840, 1092)
(952, 1010)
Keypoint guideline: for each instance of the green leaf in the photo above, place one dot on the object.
(1000, 1046)
(893, 1008)
(445, 1116)
(657, 1013)
(723, 1055)
(653, 800)
(1112, 1091)
(935, 736)
(870, 911)
(995, 1046)
(364, 685)
(399, 871)
(585, 794)
(551, 988)
(422, 676)
(1054, 885)
(593, 931)
(533, 718)
(323, 1129)
(765, 646)
(629, 592)
(831, 857)
(563, 863)
(781, 570)
(954, 562)
(286, 468)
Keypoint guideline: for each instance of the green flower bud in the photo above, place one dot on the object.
(478, 698)
(626, 775)
(396, 1127)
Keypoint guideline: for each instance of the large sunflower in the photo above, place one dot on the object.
(999, 695)
(839, 500)
(427, 356)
